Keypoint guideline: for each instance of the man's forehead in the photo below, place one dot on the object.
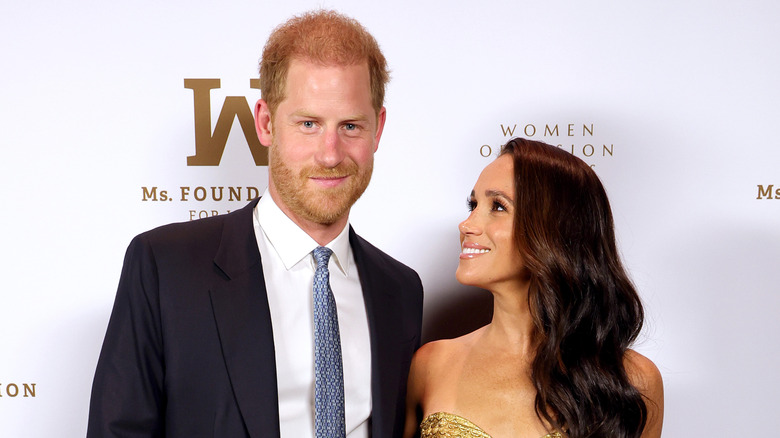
(306, 62)
(314, 75)
(300, 101)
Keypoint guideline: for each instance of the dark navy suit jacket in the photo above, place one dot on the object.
(189, 347)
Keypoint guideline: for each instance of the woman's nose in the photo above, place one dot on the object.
(468, 226)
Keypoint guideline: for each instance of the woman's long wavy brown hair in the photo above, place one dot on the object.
(586, 310)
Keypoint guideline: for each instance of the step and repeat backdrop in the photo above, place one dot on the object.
(117, 117)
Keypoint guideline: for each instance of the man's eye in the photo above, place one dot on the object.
(308, 124)
(350, 126)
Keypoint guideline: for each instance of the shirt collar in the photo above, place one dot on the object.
(291, 243)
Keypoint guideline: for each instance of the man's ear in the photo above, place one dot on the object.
(380, 125)
(263, 123)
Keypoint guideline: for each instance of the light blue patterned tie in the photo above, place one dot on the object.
(328, 372)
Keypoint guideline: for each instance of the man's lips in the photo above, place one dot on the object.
(472, 250)
(328, 181)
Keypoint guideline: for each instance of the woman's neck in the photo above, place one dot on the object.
(512, 326)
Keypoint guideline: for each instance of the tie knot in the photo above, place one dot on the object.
(322, 255)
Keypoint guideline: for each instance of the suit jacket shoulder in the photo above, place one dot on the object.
(189, 348)
(380, 260)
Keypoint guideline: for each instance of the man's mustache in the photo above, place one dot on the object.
(342, 170)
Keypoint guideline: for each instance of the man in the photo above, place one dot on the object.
(212, 332)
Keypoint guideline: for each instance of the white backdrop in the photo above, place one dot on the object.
(681, 99)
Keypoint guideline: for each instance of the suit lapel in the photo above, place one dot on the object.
(381, 309)
(240, 305)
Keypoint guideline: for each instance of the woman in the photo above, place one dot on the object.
(554, 360)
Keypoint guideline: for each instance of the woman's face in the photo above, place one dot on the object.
(489, 257)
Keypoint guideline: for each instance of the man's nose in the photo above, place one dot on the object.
(331, 149)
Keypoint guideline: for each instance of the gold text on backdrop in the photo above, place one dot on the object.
(202, 193)
(576, 138)
(549, 131)
(766, 193)
(12, 390)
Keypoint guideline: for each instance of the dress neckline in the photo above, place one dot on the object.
(446, 418)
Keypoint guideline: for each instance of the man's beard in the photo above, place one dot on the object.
(319, 205)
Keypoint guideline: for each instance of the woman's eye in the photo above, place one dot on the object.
(471, 204)
(497, 206)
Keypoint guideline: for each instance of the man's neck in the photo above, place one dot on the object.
(321, 233)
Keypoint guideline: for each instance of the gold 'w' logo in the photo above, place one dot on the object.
(209, 146)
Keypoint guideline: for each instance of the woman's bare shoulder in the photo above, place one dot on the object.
(643, 373)
(646, 377)
(440, 353)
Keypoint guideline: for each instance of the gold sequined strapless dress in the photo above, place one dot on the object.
(444, 425)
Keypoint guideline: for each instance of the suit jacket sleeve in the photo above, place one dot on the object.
(127, 392)
(189, 347)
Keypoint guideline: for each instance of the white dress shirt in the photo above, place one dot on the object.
(288, 267)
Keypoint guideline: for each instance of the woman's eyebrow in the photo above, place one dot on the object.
(499, 194)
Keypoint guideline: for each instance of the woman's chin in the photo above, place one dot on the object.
(466, 279)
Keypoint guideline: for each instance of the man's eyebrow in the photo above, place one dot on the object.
(357, 118)
(499, 194)
(309, 114)
(303, 113)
